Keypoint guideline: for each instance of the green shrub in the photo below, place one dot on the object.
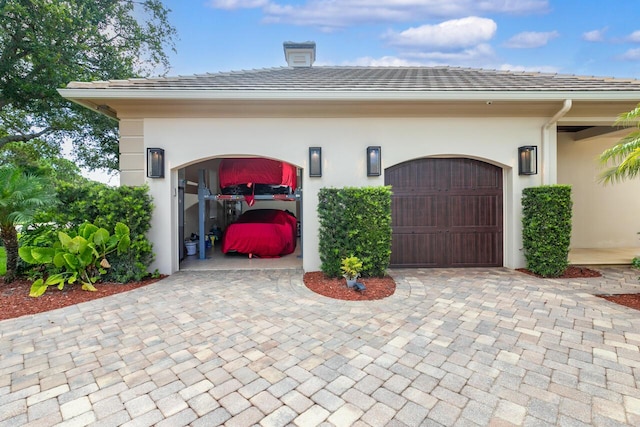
(79, 257)
(132, 206)
(546, 228)
(103, 206)
(3, 261)
(355, 222)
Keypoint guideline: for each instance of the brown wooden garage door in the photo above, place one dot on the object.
(446, 213)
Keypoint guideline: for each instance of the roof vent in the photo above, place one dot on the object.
(300, 54)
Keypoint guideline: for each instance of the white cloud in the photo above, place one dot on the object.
(595, 35)
(634, 37)
(533, 69)
(335, 14)
(477, 55)
(448, 35)
(385, 61)
(531, 39)
(631, 55)
(237, 4)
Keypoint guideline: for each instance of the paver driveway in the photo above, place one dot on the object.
(451, 347)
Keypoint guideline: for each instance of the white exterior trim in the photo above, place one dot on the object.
(390, 95)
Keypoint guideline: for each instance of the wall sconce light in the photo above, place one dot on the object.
(374, 161)
(528, 160)
(155, 163)
(315, 161)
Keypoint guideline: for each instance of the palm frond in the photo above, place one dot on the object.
(21, 195)
(626, 153)
(630, 118)
(626, 146)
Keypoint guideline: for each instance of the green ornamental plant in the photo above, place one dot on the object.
(82, 258)
(546, 228)
(355, 221)
(351, 267)
(104, 206)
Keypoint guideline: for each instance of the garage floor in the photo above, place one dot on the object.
(216, 260)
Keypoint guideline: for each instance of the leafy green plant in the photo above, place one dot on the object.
(635, 263)
(351, 267)
(103, 206)
(21, 196)
(81, 258)
(355, 221)
(3, 261)
(546, 228)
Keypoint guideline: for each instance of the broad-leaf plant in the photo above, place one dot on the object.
(77, 259)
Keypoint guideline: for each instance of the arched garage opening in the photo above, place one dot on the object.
(446, 212)
(249, 210)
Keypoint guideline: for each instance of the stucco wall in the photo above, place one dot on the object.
(604, 216)
(343, 142)
(132, 151)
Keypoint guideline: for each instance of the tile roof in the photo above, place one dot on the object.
(372, 79)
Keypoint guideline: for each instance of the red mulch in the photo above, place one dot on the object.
(377, 288)
(571, 272)
(15, 300)
(628, 300)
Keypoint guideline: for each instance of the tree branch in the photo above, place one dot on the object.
(23, 137)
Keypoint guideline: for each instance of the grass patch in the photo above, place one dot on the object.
(3, 261)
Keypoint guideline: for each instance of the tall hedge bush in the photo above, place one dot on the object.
(355, 221)
(546, 228)
(103, 206)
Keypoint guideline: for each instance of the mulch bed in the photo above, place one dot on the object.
(15, 300)
(572, 272)
(628, 300)
(377, 288)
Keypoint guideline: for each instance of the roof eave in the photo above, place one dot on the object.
(371, 95)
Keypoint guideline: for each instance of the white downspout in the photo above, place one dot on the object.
(544, 148)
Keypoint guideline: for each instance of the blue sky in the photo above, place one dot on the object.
(584, 37)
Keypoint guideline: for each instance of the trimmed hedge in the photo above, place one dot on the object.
(355, 221)
(546, 228)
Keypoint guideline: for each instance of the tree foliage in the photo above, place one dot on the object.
(21, 195)
(626, 153)
(40, 158)
(45, 44)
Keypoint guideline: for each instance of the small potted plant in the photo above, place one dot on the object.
(351, 268)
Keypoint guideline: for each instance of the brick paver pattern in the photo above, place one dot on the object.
(451, 347)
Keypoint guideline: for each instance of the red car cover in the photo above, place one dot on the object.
(266, 233)
(252, 171)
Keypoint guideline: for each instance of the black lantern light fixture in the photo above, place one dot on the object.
(374, 161)
(315, 161)
(528, 160)
(155, 163)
